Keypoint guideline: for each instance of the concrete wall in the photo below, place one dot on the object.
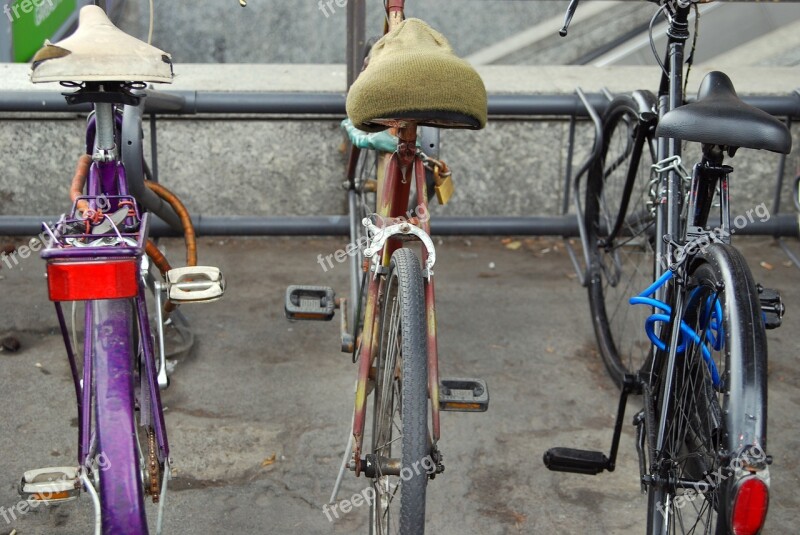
(279, 166)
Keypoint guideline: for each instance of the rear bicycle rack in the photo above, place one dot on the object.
(86, 262)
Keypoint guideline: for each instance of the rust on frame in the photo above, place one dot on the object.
(430, 312)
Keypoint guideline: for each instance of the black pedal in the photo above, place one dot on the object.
(463, 395)
(772, 307)
(575, 461)
(314, 303)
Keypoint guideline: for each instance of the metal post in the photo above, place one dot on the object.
(356, 38)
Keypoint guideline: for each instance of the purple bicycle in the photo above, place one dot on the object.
(100, 254)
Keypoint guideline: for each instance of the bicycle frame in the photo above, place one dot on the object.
(109, 352)
(673, 236)
(670, 96)
(394, 189)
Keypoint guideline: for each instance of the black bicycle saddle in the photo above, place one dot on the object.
(719, 117)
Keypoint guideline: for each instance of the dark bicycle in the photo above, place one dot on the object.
(654, 249)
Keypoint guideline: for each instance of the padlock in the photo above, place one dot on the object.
(444, 186)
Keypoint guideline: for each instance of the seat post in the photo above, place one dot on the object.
(408, 137)
(105, 146)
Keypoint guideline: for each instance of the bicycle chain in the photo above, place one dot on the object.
(154, 469)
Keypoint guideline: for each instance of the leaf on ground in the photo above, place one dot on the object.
(268, 461)
(514, 245)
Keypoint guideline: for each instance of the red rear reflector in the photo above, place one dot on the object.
(82, 281)
(749, 507)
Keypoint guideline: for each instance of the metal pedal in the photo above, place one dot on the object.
(51, 485)
(575, 461)
(463, 395)
(315, 303)
(594, 462)
(196, 284)
(772, 307)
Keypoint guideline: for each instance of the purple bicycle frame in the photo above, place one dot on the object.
(110, 351)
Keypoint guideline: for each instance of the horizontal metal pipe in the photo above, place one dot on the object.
(504, 225)
(784, 225)
(277, 103)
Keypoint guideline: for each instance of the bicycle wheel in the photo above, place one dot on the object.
(621, 264)
(121, 489)
(717, 406)
(401, 403)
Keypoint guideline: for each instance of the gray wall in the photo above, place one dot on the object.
(269, 167)
(297, 31)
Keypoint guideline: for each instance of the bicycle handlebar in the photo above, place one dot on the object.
(573, 6)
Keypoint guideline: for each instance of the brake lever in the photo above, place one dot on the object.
(573, 5)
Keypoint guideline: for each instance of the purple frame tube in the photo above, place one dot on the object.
(109, 361)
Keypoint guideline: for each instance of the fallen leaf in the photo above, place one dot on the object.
(506, 241)
(514, 245)
(766, 265)
(268, 461)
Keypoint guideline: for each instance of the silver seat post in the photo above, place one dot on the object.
(105, 148)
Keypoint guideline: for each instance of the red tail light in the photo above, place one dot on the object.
(749, 506)
(82, 281)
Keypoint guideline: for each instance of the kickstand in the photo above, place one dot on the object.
(345, 461)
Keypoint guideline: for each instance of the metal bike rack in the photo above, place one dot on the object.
(298, 105)
(785, 225)
(311, 105)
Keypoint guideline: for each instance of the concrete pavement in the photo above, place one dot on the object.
(259, 388)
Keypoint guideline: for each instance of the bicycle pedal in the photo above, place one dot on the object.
(575, 461)
(50, 485)
(772, 307)
(195, 284)
(463, 395)
(314, 303)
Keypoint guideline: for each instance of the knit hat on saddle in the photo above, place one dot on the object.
(413, 74)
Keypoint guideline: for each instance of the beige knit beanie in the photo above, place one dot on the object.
(413, 73)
